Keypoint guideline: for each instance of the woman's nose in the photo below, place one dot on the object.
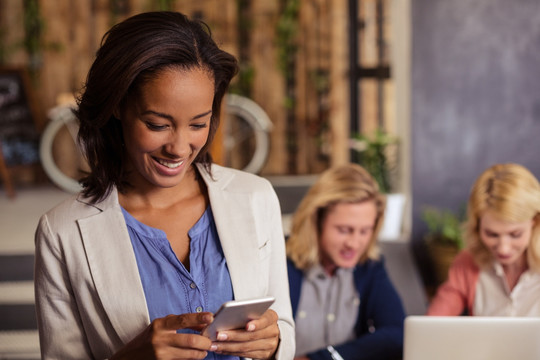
(354, 240)
(504, 245)
(178, 144)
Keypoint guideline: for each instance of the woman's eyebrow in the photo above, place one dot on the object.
(202, 115)
(157, 113)
(169, 117)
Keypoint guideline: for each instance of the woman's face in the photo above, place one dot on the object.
(346, 233)
(507, 241)
(166, 127)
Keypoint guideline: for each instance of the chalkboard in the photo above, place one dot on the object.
(18, 132)
(475, 96)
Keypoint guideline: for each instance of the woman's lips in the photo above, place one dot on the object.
(169, 164)
(348, 254)
(168, 167)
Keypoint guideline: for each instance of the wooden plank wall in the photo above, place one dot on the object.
(321, 128)
(268, 83)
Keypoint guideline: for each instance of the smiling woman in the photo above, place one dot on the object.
(136, 264)
(343, 301)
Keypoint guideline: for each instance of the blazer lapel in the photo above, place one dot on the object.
(234, 218)
(114, 269)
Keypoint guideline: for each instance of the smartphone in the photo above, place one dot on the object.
(236, 314)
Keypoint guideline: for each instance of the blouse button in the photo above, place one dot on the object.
(192, 285)
(198, 309)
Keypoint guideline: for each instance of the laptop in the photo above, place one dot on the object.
(471, 338)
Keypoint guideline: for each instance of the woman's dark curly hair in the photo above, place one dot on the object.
(131, 53)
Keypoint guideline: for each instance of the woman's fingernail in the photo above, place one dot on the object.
(251, 327)
(222, 337)
(213, 347)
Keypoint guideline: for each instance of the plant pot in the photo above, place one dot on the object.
(442, 256)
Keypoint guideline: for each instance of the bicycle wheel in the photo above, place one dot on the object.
(246, 134)
(60, 155)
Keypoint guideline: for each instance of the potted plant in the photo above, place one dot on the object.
(377, 153)
(443, 239)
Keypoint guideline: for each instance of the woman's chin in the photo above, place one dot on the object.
(347, 264)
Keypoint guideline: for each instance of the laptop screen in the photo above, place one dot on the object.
(471, 338)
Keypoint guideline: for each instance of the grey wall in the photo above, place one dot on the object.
(475, 97)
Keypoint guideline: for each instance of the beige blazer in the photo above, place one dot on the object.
(89, 296)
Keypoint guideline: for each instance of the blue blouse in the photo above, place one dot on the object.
(168, 286)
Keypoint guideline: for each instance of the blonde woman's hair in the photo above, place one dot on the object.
(512, 193)
(349, 184)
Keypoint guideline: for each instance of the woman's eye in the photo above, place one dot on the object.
(516, 235)
(343, 230)
(155, 127)
(199, 126)
(366, 231)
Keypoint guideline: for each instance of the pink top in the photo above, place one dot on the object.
(457, 293)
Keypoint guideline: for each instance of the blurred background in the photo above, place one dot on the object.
(424, 93)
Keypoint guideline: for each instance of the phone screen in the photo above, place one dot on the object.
(236, 314)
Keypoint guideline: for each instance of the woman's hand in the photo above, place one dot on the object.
(160, 340)
(259, 339)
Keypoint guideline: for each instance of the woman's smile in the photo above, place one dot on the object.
(169, 164)
(169, 168)
(349, 254)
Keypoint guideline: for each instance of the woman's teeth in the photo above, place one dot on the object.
(170, 165)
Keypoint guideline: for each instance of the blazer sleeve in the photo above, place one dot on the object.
(380, 322)
(60, 326)
(456, 294)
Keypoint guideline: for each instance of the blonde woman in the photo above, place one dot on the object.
(499, 272)
(344, 303)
